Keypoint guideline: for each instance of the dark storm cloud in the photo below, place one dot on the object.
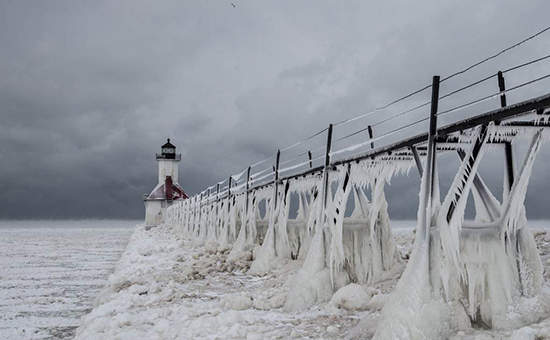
(90, 90)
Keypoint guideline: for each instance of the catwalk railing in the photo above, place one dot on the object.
(401, 131)
(478, 270)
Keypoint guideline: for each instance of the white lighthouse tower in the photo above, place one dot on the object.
(167, 189)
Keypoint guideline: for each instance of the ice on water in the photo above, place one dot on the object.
(51, 271)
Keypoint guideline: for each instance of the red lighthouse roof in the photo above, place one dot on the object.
(159, 192)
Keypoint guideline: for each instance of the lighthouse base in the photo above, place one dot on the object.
(155, 211)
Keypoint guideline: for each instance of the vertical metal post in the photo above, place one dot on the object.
(209, 205)
(502, 88)
(276, 180)
(200, 208)
(324, 188)
(247, 187)
(369, 129)
(508, 152)
(217, 207)
(212, 192)
(428, 180)
(433, 128)
(229, 186)
(310, 162)
(229, 193)
(275, 187)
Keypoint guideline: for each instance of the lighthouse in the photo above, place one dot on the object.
(167, 190)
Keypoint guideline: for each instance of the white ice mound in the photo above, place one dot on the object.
(351, 297)
(359, 248)
(378, 302)
(211, 246)
(525, 333)
(312, 283)
(238, 302)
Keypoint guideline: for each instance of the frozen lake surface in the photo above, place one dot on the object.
(51, 271)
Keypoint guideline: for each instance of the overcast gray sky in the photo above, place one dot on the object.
(89, 90)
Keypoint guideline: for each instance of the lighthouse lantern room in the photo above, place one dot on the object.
(167, 190)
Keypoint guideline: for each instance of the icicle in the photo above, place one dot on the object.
(450, 230)
(512, 208)
(335, 216)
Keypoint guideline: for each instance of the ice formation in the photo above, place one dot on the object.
(487, 272)
(280, 242)
(358, 249)
(337, 248)
(351, 297)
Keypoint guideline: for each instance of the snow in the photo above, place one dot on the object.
(211, 246)
(238, 302)
(525, 333)
(51, 271)
(378, 302)
(155, 293)
(333, 330)
(351, 297)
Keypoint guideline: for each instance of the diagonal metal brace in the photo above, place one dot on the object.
(470, 164)
(484, 192)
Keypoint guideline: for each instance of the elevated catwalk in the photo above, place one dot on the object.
(485, 272)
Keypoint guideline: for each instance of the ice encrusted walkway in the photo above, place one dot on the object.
(51, 271)
(163, 288)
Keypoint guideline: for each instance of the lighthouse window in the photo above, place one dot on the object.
(167, 150)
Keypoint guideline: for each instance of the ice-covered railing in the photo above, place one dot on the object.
(487, 272)
(380, 130)
(393, 130)
(388, 137)
(386, 131)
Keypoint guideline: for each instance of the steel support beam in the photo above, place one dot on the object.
(324, 187)
(417, 160)
(471, 162)
(510, 167)
(247, 187)
(276, 179)
(371, 135)
(429, 173)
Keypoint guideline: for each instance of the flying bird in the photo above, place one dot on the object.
(232, 4)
